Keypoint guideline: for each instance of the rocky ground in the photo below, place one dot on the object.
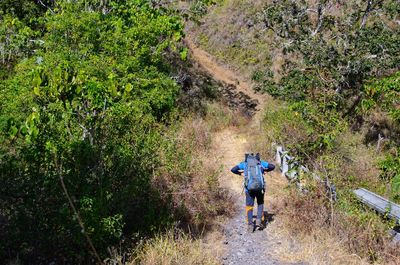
(245, 247)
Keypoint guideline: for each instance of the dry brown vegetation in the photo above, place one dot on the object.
(174, 248)
(344, 232)
(311, 218)
(341, 233)
(193, 185)
(231, 34)
(348, 232)
(198, 199)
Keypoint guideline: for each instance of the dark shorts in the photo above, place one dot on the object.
(251, 196)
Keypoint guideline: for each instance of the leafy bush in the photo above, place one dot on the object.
(385, 94)
(15, 42)
(82, 121)
(332, 48)
(390, 167)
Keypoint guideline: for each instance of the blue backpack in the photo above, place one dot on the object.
(254, 179)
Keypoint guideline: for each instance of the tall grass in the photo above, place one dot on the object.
(188, 179)
(174, 248)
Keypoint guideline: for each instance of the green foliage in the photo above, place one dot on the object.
(332, 55)
(283, 123)
(385, 94)
(296, 85)
(336, 54)
(15, 41)
(306, 129)
(24, 10)
(332, 58)
(390, 167)
(199, 7)
(88, 106)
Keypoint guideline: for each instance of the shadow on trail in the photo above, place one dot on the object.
(268, 218)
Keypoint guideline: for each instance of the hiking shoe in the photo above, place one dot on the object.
(251, 228)
(261, 226)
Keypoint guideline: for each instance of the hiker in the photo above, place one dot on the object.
(254, 168)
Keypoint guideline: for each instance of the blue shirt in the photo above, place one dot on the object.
(264, 165)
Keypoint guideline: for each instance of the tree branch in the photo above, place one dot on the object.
(322, 6)
(40, 2)
(366, 13)
(370, 7)
(320, 12)
(81, 224)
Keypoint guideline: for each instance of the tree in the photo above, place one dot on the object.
(341, 44)
(81, 124)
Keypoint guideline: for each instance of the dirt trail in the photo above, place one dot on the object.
(235, 90)
(241, 247)
(260, 247)
(218, 72)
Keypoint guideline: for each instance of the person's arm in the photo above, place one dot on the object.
(267, 166)
(238, 169)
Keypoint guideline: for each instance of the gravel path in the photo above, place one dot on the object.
(246, 247)
(249, 248)
(242, 247)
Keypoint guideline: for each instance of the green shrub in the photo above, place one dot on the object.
(88, 112)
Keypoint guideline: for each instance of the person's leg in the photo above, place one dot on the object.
(249, 207)
(260, 207)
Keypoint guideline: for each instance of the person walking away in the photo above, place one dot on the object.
(253, 169)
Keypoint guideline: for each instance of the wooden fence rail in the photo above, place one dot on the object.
(292, 169)
(378, 203)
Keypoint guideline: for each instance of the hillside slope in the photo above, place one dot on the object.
(275, 244)
(332, 67)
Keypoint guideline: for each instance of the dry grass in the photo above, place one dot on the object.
(310, 229)
(325, 236)
(174, 248)
(192, 185)
(358, 160)
(198, 200)
(301, 231)
(342, 239)
(342, 233)
(221, 116)
(278, 60)
(230, 32)
(316, 248)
